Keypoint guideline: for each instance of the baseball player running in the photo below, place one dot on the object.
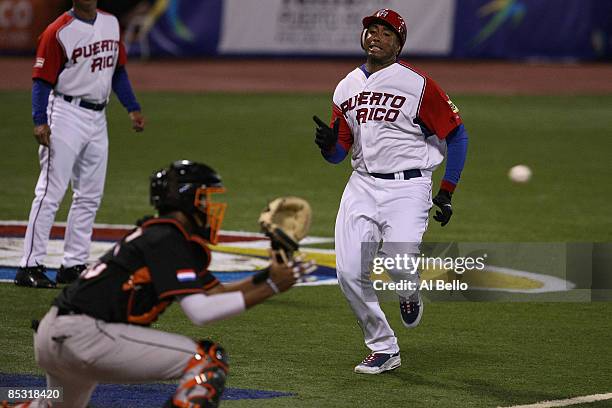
(96, 329)
(78, 60)
(400, 125)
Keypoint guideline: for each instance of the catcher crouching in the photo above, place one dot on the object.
(96, 330)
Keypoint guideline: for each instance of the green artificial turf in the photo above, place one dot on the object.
(464, 354)
(263, 147)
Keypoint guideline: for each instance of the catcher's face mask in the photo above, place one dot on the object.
(214, 211)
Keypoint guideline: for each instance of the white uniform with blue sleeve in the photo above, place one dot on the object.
(77, 64)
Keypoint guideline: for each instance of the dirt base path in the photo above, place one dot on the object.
(283, 75)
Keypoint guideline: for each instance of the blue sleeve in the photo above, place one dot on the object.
(40, 98)
(457, 143)
(336, 155)
(123, 90)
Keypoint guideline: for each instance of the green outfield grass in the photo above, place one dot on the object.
(263, 147)
(462, 355)
(306, 341)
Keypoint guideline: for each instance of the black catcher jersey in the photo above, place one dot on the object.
(141, 275)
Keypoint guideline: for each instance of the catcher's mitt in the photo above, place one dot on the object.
(286, 221)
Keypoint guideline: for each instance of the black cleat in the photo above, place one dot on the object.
(70, 274)
(33, 277)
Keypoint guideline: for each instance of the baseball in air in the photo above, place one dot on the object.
(520, 173)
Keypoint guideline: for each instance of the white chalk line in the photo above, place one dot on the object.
(566, 402)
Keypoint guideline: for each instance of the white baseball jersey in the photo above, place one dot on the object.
(389, 118)
(395, 119)
(79, 58)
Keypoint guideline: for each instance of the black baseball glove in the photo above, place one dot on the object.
(443, 201)
(326, 137)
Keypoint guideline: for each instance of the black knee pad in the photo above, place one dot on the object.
(203, 379)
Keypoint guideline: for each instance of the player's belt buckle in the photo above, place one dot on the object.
(91, 105)
(398, 175)
(83, 104)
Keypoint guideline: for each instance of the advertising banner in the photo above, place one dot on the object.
(22, 21)
(528, 29)
(181, 28)
(329, 27)
(504, 29)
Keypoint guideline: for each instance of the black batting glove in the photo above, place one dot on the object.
(443, 201)
(326, 137)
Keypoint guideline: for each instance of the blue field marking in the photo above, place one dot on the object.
(137, 395)
(7, 273)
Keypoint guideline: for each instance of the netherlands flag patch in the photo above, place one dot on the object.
(39, 62)
(186, 275)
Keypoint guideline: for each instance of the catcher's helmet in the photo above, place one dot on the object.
(187, 186)
(391, 19)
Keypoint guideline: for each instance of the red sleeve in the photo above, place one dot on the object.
(437, 112)
(448, 186)
(50, 54)
(345, 137)
(122, 55)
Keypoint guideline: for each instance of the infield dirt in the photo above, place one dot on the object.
(295, 75)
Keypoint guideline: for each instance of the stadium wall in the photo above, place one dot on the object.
(478, 29)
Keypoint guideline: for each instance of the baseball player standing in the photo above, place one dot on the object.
(400, 125)
(96, 329)
(78, 60)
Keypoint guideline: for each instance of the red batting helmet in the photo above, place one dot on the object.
(389, 18)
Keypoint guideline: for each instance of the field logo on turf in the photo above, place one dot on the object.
(240, 254)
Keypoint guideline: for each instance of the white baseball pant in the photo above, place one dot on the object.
(78, 154)
(374, 210)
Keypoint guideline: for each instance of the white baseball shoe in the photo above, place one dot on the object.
(376, 363)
